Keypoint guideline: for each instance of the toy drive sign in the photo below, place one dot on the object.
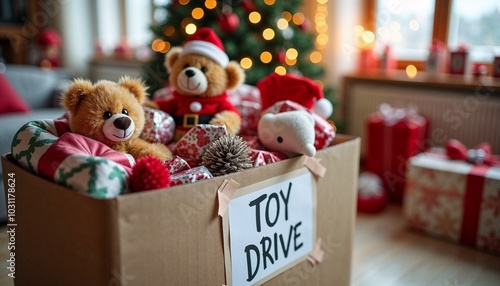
(269, 227)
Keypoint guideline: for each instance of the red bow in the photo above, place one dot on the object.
(481, 154)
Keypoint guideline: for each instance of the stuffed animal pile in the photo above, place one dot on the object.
(109, 143)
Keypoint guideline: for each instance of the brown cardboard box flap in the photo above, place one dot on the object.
(171, 236)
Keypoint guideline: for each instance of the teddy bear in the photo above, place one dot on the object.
(201, 74)
(112, 113)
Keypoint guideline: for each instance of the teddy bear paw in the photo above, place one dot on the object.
(231, 119)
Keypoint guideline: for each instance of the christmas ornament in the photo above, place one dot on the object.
(248, 6)
(305, 25)
(149, 173)
(229, 22)
(49, 43)
(226, 155)
(281, 56)
(372, 197)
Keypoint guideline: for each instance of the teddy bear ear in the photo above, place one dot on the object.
(135, 86)
(235, 75)
(76, 93)
(171, 57)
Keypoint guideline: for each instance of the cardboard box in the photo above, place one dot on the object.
(454, 200)
(166, 237)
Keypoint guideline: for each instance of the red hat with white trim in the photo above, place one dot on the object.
(205, 42)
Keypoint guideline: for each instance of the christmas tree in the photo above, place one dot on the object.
(264, 36)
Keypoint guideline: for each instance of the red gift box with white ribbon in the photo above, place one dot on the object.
(454, 193)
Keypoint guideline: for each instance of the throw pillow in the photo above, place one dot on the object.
(10, 101)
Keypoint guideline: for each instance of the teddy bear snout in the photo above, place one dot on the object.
(189, 73)
(192, 81)
(122, 123)
(119, 127)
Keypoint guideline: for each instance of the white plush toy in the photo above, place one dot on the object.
(291, 132)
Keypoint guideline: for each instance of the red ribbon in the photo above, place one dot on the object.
(480, 155)
(482, 159)
(473, 197)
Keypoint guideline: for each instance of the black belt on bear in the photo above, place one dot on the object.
(191, 120)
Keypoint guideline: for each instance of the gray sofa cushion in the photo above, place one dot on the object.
(35, 85)
(12, 122)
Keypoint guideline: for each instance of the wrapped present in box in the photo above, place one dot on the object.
(192, 145)
(246, 98)
(159, 126)
(176, 165)
(393, 135)
(324, 130)
(262, 158)
(190, 176)
(458, 200)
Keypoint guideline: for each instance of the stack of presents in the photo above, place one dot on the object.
(450, 191)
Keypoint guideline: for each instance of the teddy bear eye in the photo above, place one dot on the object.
(204, 69)
(125, 111)
(107, 115)
(279, 139)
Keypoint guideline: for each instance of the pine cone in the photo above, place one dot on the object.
(226, 155)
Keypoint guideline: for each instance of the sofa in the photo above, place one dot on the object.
(40, 90)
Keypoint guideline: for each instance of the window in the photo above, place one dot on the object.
(411, 26)
(405, 25)
(129, 19)
(477, 24)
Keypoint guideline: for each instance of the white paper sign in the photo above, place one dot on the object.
(271, 227)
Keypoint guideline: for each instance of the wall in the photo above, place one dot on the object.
(75, 23)
(340, 55)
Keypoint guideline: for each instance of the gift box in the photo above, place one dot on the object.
(459, 60)
(190, 176)
(159, 126)
(175, 236)
(246, 99)
(262, 158)
(393, 136)
(324, 130)
(192, 145)
(454, 199)
(177, 165)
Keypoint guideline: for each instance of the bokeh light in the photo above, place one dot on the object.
(246, 63)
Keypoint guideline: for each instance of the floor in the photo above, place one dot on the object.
(386, 253)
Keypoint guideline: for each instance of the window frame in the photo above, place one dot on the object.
(442, 14)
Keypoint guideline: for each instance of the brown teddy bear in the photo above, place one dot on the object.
(201, 74)
(112, 113)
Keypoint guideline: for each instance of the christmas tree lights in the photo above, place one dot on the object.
(264, 36)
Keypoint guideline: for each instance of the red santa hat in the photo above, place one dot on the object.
(205, 42)
(304, 91)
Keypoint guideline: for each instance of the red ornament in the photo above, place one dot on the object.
(281, 56)
(305, 26)
(248, 6)
(229, 22)
(149, 173)
(372, 198)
